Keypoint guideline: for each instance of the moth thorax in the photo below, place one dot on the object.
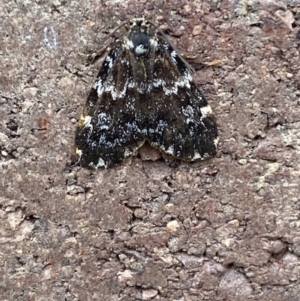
(141, 49)
(141, 44)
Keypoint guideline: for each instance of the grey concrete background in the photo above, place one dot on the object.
(223, 229)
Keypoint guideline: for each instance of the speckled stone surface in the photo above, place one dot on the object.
(223, 229)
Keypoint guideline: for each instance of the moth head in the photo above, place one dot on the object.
(139, 22)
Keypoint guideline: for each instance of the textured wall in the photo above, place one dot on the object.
(222, 229)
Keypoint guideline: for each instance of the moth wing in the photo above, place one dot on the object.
(181, 123)
(110, 127)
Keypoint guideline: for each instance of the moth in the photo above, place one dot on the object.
(144, 92)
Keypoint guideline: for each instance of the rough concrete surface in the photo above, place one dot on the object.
(224, 229)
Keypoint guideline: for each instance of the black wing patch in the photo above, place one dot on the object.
(181, 122)
(144, 92)
(111, 127)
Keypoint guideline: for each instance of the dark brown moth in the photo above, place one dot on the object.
(144, 92)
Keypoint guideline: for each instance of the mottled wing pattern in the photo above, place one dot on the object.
(181, 123)
(110, 128)
(144, 92)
